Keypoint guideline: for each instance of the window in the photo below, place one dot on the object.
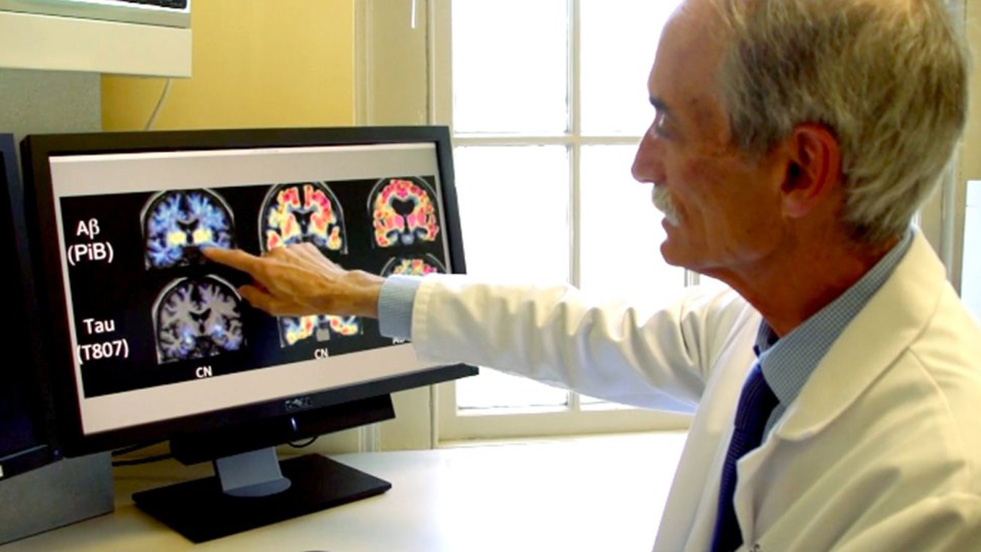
(604, 52)
(547, 101)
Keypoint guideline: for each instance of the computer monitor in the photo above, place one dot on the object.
(147, 340)
(26, 442)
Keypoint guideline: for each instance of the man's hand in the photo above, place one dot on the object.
(298, 280)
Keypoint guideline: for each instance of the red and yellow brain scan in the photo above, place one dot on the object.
(297, 329)
(413, 266)
(403, 212)
(305, 212)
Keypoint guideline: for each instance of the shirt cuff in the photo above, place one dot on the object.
(398, 294)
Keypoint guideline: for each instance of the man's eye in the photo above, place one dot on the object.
(659, 126)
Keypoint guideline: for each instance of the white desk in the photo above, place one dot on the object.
(596, 494)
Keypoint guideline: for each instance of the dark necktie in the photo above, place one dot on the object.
(755, 405)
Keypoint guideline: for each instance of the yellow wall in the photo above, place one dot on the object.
(256, 63)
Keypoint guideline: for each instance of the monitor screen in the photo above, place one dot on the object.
(25, 442)
(146, 340)
(150, 341)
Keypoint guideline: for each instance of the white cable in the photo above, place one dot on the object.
(160, 102)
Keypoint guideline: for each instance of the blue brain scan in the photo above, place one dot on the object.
(197, 317)
(178, 223)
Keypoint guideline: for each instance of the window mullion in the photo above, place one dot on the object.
(511, 140)
(575, 158)
(464, 139)
(574, 45)
(575, 152)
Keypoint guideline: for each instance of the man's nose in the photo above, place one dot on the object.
(648, 164)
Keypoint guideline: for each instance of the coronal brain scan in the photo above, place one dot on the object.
(403, 211)
(177, 224)
(197, 317)
(302, 213)
(413, 266)
(294, 330)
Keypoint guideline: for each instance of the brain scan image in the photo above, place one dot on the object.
(302, 213)
(343, 325)
(306, 213)
(403, 212)
(197, 317)
(177, 224)
(413, 266)
(293, 330)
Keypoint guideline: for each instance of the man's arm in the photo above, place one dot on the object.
(299, 281)
(653, 355)
(656, 358)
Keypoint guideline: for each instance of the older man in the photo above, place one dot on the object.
(836, 389)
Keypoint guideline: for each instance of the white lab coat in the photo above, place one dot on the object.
(881, 451)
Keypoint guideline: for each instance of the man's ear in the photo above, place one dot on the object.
(813, 172)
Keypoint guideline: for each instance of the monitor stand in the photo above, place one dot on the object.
(250, 491)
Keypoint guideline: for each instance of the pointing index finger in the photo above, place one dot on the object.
(234, 258)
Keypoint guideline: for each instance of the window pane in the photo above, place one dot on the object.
(621, 230)
(496, 390)
(707, 282)
(619, 40)
(514, 209)
(510, 66)
(588, 403)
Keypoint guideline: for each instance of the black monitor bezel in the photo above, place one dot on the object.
(38, 149)
(44, 449)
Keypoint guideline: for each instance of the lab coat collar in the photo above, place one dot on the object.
(892, 318)
(880, 332)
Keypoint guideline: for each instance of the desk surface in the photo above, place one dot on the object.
(601, 493)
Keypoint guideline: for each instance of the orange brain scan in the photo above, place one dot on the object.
(302, 213)
(297, 329)
(306, 213)
(403, 211)
(413, 266)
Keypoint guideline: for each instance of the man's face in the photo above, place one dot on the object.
(723, 209)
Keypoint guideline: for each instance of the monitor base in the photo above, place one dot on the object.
(200, 511)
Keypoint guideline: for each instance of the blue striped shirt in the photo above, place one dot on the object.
(395, 301)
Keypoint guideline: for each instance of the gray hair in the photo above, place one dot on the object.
(889, 78)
